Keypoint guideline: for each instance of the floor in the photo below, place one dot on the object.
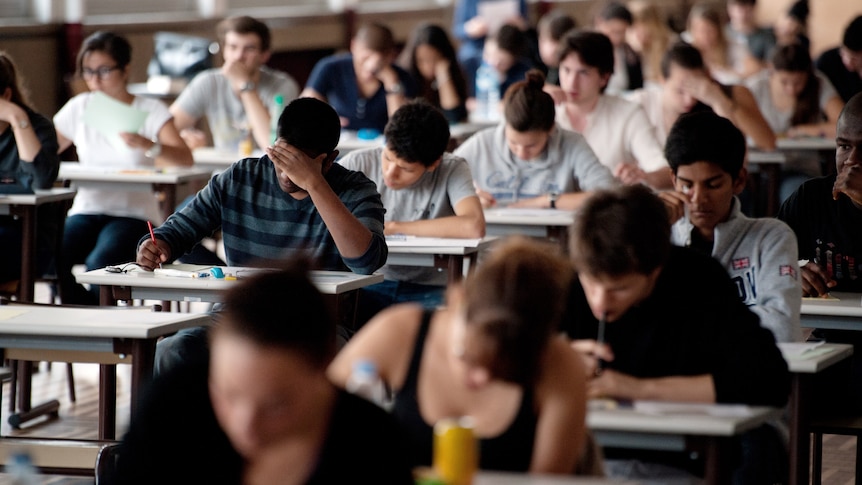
(79, 420)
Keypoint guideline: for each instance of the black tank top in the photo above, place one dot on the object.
(510, 451)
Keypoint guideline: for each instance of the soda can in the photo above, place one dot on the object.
(456, 452)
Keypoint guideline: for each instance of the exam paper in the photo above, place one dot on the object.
(110, 117)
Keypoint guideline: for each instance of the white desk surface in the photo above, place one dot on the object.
(814, 359)
(439, 245)
(847, 305)
(675, 421)
(212, 158)
(757, 157)
(505, 478)
(99, 322)
(805, 143)
(327, 282)
(40, 197)
(350, 141)
(75, 172)
(529, 217)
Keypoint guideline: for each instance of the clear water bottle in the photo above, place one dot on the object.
(365, 382)
(21, 469)
(487, 93)
(277, 108)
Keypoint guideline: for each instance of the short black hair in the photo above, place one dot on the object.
(703, 136)
(418, 133)
(683, 55)
(281, 308)
(510, 39)
(853, 35)
(555, 24)
(310, 125)
(619, 232)
(593, 48)
(616, 11)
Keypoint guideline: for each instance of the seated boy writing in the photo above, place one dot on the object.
(706, 154)
(676, 329)
(426, 192)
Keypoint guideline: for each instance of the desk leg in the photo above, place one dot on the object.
(107, 401)
(106, 296)
(169, 202)
(800, 444)
(26, 291)
(143, 359)
(772, 172)
(455, 267)
(716, 469)
(560, 234)
(25, 376)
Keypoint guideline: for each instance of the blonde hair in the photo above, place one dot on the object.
(648, 14)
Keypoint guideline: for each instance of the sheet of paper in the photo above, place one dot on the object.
(425, 242)
(827, 297)
(9, 313)
(668, 408)
(798, 348)
(497, 13)
(109, 117)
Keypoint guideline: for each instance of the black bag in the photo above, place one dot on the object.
(15, 183)
(180, 56)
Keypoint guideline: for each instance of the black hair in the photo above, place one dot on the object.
(593, 48)
(616, 11)
(683, 55)
(619, 232)
(111, 44)
(853, 35)
(556, 23)
(417, 133)
(527, 106)
(282, 309)
(9, 78)
(310, 125)
(510, 39)
(703, 136)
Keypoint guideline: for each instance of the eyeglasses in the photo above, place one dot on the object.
(102, 72)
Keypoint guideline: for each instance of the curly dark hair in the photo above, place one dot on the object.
(417, 132)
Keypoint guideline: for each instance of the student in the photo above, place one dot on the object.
(103, 223)
(262, 410)
(613, 20)
(649, 36)
(686, 86)
(705, 31)
(28, 154)
(363, 86)
(706, 154)
(238, 99)
(668, 338)
(550, 30)
(430, 58)
(826, 214)
(791, 27)
(294, 199)
(426, 192)
(470, 28)
(617, 130)
(506, 53)
(756, 43)
(493, 354)
(529, 161)
(843, 65)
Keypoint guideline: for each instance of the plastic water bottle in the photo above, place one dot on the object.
(365, 382)
(20, 468)
(278, 107)
(487, 93)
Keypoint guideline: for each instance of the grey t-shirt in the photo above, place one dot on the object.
(210, 94)
(434, 195)
(568, 164)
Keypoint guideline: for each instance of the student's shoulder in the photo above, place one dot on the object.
(618, 106)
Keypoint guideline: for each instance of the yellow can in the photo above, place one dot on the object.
(456, 453)
(246, 146)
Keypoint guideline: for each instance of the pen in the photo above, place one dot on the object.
(153, 237)
(600, 340)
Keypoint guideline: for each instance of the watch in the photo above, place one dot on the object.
(394, 89)
(23, 123)
(552, 198)
(247, 86)
(154, 150)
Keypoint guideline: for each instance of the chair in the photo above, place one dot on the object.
(106, 464)
(845, 426)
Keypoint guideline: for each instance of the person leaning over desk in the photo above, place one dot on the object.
(293, 199)
(491, 353)
(426, 191)
(104, 223)
(529, 160)
(676, 329)
(261, 410)
(28, 153)
(239, 97)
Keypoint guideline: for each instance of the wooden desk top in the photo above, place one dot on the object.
(102, 322)
(76, 172)
(327, 282)
(39, 198)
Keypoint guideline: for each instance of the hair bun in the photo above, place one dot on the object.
(535, 79)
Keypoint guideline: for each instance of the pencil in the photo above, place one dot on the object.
(600, 340)
(153, 237)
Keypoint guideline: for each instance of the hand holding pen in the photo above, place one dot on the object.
(600, 342)
(153, 252)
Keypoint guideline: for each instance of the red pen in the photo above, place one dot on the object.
(153, 237)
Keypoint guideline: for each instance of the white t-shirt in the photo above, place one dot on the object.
(95, 150)
(779, 120)
(619, 131)
(649, 98)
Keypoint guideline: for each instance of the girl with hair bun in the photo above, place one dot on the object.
(528, 161)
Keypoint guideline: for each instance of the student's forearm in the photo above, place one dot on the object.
(27, 142)
(678, 388)
(258, 117)
(659, 179)
(452, 226)
(449, 98)
(350, 236)
(174, 156)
